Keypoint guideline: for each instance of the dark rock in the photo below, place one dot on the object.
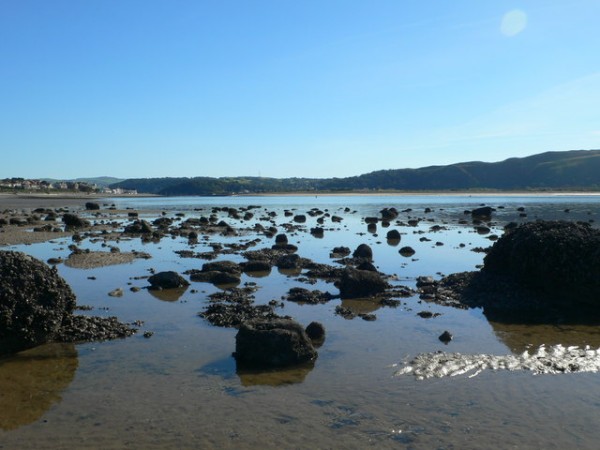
(291, 261)
(86, 328)
(363, 251)
(256, 266)
(360, 283)
(316, 332)
(34, 300)
(138, 227)
(167, 280)
(216, 277)
(560, 259)
(393, 235)
(482, 213)
(36, 306)
(72, 221)
(389, 213)
(445, 337)
(366, 265)
(339, 252)
(317, 232)
(302, 295)
(425, 281)
(92, 206)
(407, 251)
(281, 239)
(274, 343)
(300, 218)
(222, 266)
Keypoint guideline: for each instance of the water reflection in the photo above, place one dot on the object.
(168, 295)
(520, 337)
(275, 377)
(361, 305)
(259, 273)
(32, 381)
(227, 367)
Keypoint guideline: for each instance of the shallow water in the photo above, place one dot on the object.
(180, 388)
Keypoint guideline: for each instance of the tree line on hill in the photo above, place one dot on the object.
(569, 170)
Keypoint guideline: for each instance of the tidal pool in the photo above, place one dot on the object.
(181, 388)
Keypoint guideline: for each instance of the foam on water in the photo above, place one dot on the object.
(545, 360)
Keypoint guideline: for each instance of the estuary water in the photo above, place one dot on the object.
(180, 387)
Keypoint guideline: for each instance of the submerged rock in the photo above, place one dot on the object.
(274, 343)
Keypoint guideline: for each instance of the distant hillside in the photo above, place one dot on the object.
(576, 169)
(100, 181)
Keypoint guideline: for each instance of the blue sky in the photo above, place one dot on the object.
(286, 88)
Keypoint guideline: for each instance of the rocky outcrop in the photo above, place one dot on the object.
(540, 272)
(273, 343)
(37, 304)
(560, 259)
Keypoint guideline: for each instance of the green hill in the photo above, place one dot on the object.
(576, 170)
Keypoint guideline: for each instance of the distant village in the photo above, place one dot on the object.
(17, 185)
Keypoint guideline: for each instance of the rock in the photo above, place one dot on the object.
(393, 235)
(389, 213)
(302, 295)
(560, 259)
(366, 265)
(300, 218)
(138, 227)
(274, 343)
(363, 251)
(92, 206)
(445, 337)
(483, 213)
(257, 266)
(281, 239)
(34, 300)
(116, 293)
(407, 251)
(222, 266)
(316, 332)
(167, 280)
(340, 252)
(291, 261)
(36, 306)
(72, 221)
(317, 232)
(216, 277)
(360, 283)
(425, 281)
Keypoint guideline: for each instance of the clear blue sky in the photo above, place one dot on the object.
(281, 88)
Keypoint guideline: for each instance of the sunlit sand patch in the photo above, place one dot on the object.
(545, 360)
(90, 260)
